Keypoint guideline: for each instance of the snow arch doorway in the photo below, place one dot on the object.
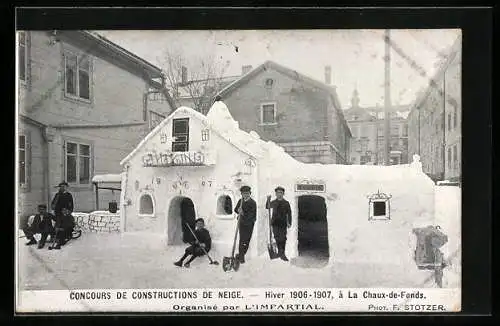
(180, 212)
(312, 235)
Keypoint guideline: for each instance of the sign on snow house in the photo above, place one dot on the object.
(193, 165)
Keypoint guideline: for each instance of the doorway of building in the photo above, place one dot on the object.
(313, 247)
(180, 212)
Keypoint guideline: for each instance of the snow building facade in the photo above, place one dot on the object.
(193, 166)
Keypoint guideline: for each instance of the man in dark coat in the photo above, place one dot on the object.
(201, 244)
(62, 199)
(246, 208)
(64, 228)
(42, 223)
(281, 219)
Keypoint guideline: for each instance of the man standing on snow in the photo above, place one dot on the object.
(281, 219)
(246, 208)
(62, 199)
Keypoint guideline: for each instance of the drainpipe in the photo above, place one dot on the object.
(48, 134)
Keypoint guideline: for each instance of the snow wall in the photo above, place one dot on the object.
(352, 236)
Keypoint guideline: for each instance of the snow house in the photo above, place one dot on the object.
(192, 165)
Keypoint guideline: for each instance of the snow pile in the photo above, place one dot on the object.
(107, 178)
(219, 116)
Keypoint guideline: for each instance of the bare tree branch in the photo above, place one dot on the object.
(204, 78)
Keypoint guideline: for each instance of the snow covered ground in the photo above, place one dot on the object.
(140, 260)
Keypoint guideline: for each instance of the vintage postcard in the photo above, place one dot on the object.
(238, 171)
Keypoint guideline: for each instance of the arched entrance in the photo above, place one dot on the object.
(180, 212)
(312, 236)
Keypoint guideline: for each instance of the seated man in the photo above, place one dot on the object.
(42, 223)
(64, 228)
(202, 244)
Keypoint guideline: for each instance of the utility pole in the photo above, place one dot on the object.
(387, 97)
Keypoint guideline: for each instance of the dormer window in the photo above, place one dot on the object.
(180, 135)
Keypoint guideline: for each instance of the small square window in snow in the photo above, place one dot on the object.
(379, 206)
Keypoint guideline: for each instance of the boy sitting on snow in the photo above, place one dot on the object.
(64, 228)
(199, 246)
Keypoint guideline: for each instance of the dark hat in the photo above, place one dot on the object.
(199, 220)
(64, 183)
(279, 188)
(42, 206)
(245, 189)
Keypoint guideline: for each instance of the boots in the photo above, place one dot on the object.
(281, 251)
(240, 258)
(31, 242)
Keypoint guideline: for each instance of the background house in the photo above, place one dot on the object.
(83, 104)
(368, 138)
(435, 130)
(300, 114)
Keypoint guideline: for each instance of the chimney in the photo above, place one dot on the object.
(328, 75)
(245, 69)
(184, 75)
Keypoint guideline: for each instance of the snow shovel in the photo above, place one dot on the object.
(212, 262)
(272, 248)
(229, 263)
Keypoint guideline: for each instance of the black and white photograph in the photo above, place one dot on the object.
(175, 167)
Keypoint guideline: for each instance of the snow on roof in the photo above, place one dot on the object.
(107, 178)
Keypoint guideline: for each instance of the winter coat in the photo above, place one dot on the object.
(62, 200)
(249, 214)
(65, 221)
(203, 236)
(282, 213)
(43, 223)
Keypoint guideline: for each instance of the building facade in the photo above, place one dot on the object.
(83, 104)
(435, 131)
(300, 114)
(368, 133)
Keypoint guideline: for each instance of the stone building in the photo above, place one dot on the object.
(368, 137)
(435, 130)
(83, 103)
(302, 115)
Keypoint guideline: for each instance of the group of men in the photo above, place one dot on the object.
(246, 208)
(61, 229)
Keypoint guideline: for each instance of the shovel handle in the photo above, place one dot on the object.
(204, 250)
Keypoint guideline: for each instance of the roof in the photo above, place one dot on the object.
(155, 71)
(331, 90)
(248, 143)
(371, 113)
(221, 83)
(453, 51)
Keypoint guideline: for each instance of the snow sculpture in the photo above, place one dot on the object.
(219, 117)
(416, 164)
